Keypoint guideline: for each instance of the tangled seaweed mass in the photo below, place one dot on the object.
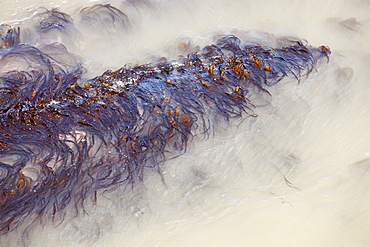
(64, 139)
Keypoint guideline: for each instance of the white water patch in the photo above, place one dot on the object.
(298, 175)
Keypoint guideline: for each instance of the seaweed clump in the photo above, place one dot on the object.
(63, 139)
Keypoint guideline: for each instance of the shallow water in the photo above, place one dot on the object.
(298, 175)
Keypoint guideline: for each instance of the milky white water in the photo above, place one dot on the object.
(298, 175)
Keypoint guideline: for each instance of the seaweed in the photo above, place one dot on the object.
(64, 139)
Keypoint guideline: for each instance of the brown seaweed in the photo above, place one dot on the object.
(63, 139)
